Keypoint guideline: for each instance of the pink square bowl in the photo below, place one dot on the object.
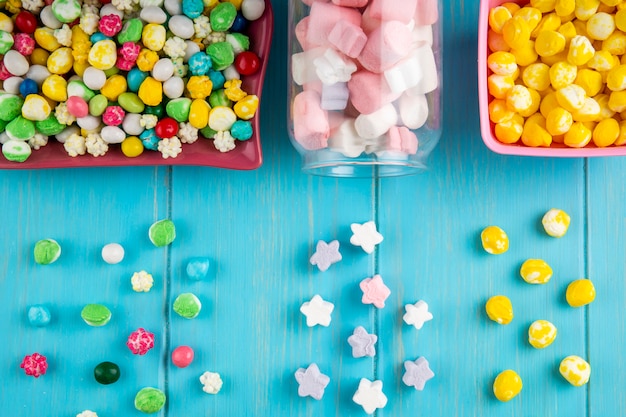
(487, 127)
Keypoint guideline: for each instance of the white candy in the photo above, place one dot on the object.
(421, 35)
(112, 134)
(376, 124)
(113, 253)
(38, 73)
(346, 140)
(404, 75)
(370, 395)
(174, 87)
(430, 77)
(4, 138)
(48, 18)
(234, 43)
(132, 124)
(302, 68)
(66, 133)
(335, 96)
(231, 73)
(150, 3)
(153, 14)
(181, 26)
(174, 7)
(252, 9)
(413, 110)
(109, 8)
(12, 85)
(15, 63)
(317, 311)
(192, 48)
(163, 69)
(94, 78)
(89, 122)
(332, 68)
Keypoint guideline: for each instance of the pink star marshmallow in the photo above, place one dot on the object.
(374, 291)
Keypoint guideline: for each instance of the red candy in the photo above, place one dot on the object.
(110, 25)
(166, 128)
(113, 116)
(4, 73)
(77, 107)
(247, 63)
(140, 341)
(26, 22)
(182, 356)
(34, 365)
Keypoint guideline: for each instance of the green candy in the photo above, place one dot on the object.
(239, 41)
(50, 126)
(111, 71)
(219, 98)
(178, 109)
(16, 150)
(96, 315)
(66, 11)
(131, 31)
(155, 110)
(6, 41)
(131, 102)
(222, 54)
(149, 400)
(3, 125)
(162, 232)
(222, 16)
(97, 105)
(20, 128)
(78, 88)
(10, 106)
(106, 373)
(187, 305)
(47, 251)
(207, 132)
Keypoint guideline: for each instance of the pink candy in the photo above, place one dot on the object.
(140, 341)
(311, 128)
(130, 51)
(113, 116)
(386, 46)
(110, 25)
(34, 365)
(387, 10)
(324, 16)
(347, 38)
(369, 91)
(77, 107)
(4, 73)
(401, 139)
(23, 43)
(182, 356)
(374, 291)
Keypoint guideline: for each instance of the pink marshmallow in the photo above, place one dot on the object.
(401, 139)
(301, 29)
(426, 12)
(310, 2)
(386, 46)
(369, 23)
(324, 16)
(387, 10)
(310, 122)
(351, 3)
(369, 91)
(347, 38)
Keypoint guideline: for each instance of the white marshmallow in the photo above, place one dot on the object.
(421, 35)
(404, 75)
(346, 140)
(413, 110)
(332, 68)
(335, 96)
(302, 68)
(376, 124)
(430, 77)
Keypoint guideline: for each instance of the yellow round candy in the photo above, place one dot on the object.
(578, 136)
(113, 87)
(549, 21)
(580, 50)
(568, 30)
(221, 118)
(556, 221)
(564, 7)
(55, 87)
(35, 108)
(199, 86)
(559, 121)
(534, 105)
(526, 54)
(246, 107)
(510, 131)
(536, 271)
(147, 59)
(600, 26)
(6, 24)
(602, 61)
(153, 36)
(575, 370)
(516, 32)
(496, 42)
(580, 293)
(617, 101)
(199, 113)
(621, 139)
(531, 15)
(537, 76)
(502, 63)
(606, 133)
(590, 80)
(571, 97)
(499, 309)
(620, 20)
(518, 98)
(562, 74)
(603, 102)
(103, 54)
(616, 78)
(151, 92)
(45, 38)
(507, 385)
(615, 44)
(511, 6)
(541, 334)
(499, 85)
(586, 8)
(548, 104)
(498, 16)
(132, 147)
(60, 61)
(549, 43)
(544, 6)
(589, 112)
(499, 112)
(535, 133)
(39, 56)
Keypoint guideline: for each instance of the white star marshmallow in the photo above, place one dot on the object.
(317, 311)
(370, 395)
(365, 235)
(417, 314)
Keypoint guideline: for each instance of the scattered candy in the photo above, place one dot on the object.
(311, 382)
(87, 413)
(39, 315)
(417, 314)
(182, 356)
(417, 373)
(507, 385)
(370, 395)
(575, 370)
(211, 382)
(47, 251)
(494, 240)
(34, 365)
(556, 222)
(325, 254)
(536, 271)
(95, 314)
(197, 268)
(317, 311)
(140, 341)
(112, 253)
(141, 281)
(187, 305)
(106, 373)
(580, 293)
(162, 233)
(362, 343)
(374, 291)
(541, 334)
(499, 309)
(149, 400)
(365, 235)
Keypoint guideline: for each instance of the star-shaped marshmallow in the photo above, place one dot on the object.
(417, 314)
(326, 254)
(374, 291)
(362, 343)
(365, 235)
(370, 395)
(317, 311)
(417, 373)
(311, 382)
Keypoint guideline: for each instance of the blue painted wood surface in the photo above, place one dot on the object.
(260, 227)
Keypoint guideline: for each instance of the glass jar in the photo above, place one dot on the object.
(364, 85)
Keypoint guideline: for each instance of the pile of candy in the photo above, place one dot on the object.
(558, 73)
(146, 74)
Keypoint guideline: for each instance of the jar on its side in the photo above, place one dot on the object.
(364, 85)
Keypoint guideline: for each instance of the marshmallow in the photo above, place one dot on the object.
(351, 3)
(347, 38)
(426, 12)
(385, 46)
(310, 122)
(387, 10)
(430, 78)
(335, 96)
(404, 75)
(346, 140)
(369, 91)
(300, 31)
(324, 16)
(401, 139)
(376, 124)
(332, 68)
(413, 110)
(302, 68)
(421, 35)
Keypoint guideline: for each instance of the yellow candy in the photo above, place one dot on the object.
(565, 7)
(236, 3)
(616, 78)
(531, 15)
(35, 108)
(55, 88)
(568, 30)
(199, 86)
(571, 97)
(499, 85)
(577, 136)
(132, 146)
(494, 240)
(600, 26)
(562, 74)
(615, 44)
(535, 133)
(39, 56)
(80, 67)
(153, 36)
(586, 8)
(589, 112)
(499, 309)
(513, 7)
(103, 54)
(113, 87)
(537, 76)
(60, 61)
(556, 222)
(209, 4)
(606, 133)
(580, 50)
(544, 6)
(536, 271)
(617, 101)
(498, 16)
(535, 103)
(151, 92)
(501, 63)
(549, 43)
(621, 139)
(6, 24)
(590, 80)
(575, 370)
(510, 131)
(580, 293)
(495, 41)
(518, 98)
(507, 385)
(548, 104)
(232, 90)
(516, 32)
(603, 102)
(199, 113)
(246, 107)
(45, 38)
(221, 118)
(541, 334)
(525, 55)
(620, 20)
(558, 121)
(499, 112)
(147, 59)
(548, 22)
(602, 61)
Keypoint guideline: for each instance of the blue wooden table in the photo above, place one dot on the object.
(260, 228)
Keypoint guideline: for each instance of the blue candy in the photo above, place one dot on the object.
(197, 268)
(217, 78)
(193, 8)
(98, 36)
(39, 315)
(149, 139)
(241, 130)
(134, 78)
(200, 63)
(240, 24)
(28, 86)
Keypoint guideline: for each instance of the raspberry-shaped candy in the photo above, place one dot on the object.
(23, 43)
(140, 341)
(34, 365)
(110, 25)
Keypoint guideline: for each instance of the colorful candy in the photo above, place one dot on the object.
(417, 373)
(499, 309)
(555, 222)
(536, 271)
(494, 240)
(149, 400)
(507, 385)
(106, 373)
(140, 341)
(34, 365)
(541, 334)
(211, 382)
(374, 291)
(96, 314)
(325, 254)
(575, 370)
(39, 315)
(187, 305)
(162, 232)
(141, 281)
(47, 251)
(182, 356)
(362, 343)
(311, 382)
(580, 293)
